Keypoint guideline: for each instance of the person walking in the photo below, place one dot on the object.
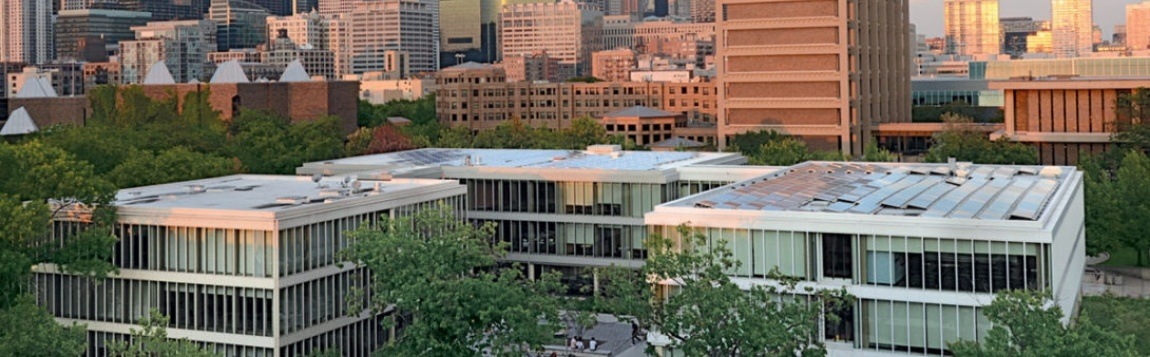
(634, 332)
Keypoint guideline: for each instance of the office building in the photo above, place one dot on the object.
(702, 10)
(567, 30)
(1113, 67)
(304, 28)
(84, 34)
(182, 45)
(469, 29)
(168, 10)
(102, 73)
(972, 27)
(476, 96)
(899, 239)
(558, 209)
(381, 91)
(619, 31)
(317, 62)
(1072, 28)
(642, 125)
(535, 67)
(27, 35)
(242, 265)
(1015, 31)
(1137, 28)
(1119, 37)
(360, 38)
(240, 24)
(64, 79)
(786, 66)
(613, 65)
(1040, 42)
(1064, 118)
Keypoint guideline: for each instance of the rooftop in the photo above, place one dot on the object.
(597, 157)
(258, 193)
(639, 111)
(985, 192)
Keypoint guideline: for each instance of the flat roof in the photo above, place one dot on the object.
(985, 192)
(259, 193)
(603, 157)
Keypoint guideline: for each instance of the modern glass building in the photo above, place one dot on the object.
(972, 27)
(1076, 67)
(560, 209)
(922, 247)
(242, 265)
(948, 91)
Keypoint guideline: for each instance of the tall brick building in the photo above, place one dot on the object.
(824, 70)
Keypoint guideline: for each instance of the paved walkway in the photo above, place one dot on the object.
(614, 336)
(1094, 284)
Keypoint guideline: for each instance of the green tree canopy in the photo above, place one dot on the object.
(961, 141)
(443, 271)
(151, 339)
(1116, 205)
(144, 168)
(706, 314)
(1027, 324)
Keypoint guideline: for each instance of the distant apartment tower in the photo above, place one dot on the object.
(1138, 26)
(1072, 27)
(27, 31)
(240, 24)
(1014, 33)
(823, 70)
(972, 27)
(316, 62)
(182, 45)
(535, 67)
(80, 32)
(304, 29)
(702, 10)
(361, 38)
(613, 65)
(566, 30)
(470, 28)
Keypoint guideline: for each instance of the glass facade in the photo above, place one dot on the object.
(918, 328)
(1082, 67)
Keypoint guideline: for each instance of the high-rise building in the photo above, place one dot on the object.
(242, 265)
(1119, 37)
(241, 24)
(1137, 26)
(182, 45)
(361, 38)
(566, 30)
(27, 31)
(80, 31)
(785, 66)
(166, 10)
(972, 27)
(303, 29)
(702, 10)
(469, 30)
(1015, 31)
(1072, 27)
(613, 65)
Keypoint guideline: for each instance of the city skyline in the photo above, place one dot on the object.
(926, 15)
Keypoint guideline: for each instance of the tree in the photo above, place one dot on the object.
(706, 314)
(783, 152)
(961, 141)
(1116, 205)
(381, 139)
(151, 339)
(443, 272)
(1027, 324)
(583, 132)
(1133, 124)
(177, 164)
(28, 330)
(873, 153)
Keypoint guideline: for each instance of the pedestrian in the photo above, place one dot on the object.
(554, 354)
(579, 343)
(571, 343)
(634, 332)
(593, 345)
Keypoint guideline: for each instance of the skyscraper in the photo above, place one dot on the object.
(1015, 30)
(1072, 25)
(972, 27)
(469, 29)
(361, 37)
(182, 45)
(27, 31)
(566, 30)
(785, 66)
(1137, 26)
(241, 24)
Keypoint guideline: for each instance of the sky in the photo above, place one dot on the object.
(926, 15)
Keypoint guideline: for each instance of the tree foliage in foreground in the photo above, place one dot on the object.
(960, 140)
(151, 339)
(443, 272)
(706, 314)
(1027, 324)
(1117, 204)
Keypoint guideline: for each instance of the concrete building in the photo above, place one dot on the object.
(560, 210)
(304, 29)
(1072, 27)
(60, 79)
(1040, 42)
(899, 239)
(168, 10)
(674, 76)
(101, 73)
(282, 51)
(361, 37)
(476, 96)
(104, 28)
(381, 91)
(613, 65)
(567, 30)
(182, 45)
(680, 40)
(242, 265)
(822, 70)
(27, 35)
(534, 67)
(642, 125)
(1137, 26)
(469, 29)
(619, 31)
(702, 10)
(1064, 118)
(241, 24)
(1015, 31)
(972, 27)
(1117, 67)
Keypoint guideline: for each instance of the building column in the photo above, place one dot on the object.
(595, 281)
(531, 271)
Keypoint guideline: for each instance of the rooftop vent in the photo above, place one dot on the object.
(291, 200)
(195, 188)
(604, 149)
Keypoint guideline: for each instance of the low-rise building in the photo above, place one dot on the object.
(613, 65)
(642, 125)
(923, 248)
(242, 265)
(381, 91)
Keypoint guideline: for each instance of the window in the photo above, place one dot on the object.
(837, 256)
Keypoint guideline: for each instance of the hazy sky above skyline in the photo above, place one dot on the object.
(926, 15)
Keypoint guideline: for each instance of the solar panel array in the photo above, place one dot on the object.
(987, 192)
